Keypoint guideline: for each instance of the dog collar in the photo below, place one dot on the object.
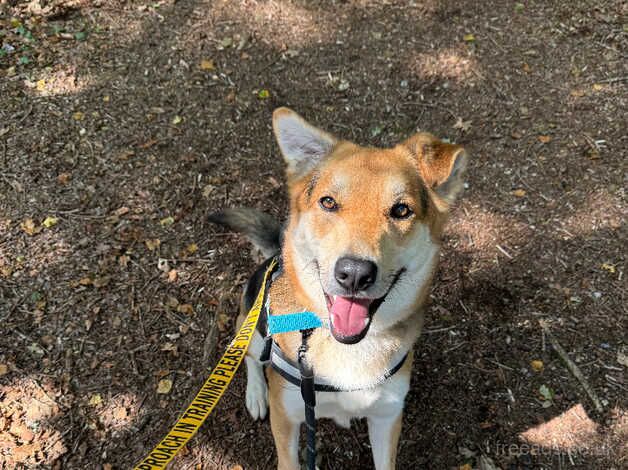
(289, 370)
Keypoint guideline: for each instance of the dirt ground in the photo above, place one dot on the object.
(123, 124)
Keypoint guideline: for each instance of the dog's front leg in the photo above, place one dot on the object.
(284, 425)
(384, 436)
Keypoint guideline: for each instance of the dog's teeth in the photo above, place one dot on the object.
(334, 297)
(366, 321)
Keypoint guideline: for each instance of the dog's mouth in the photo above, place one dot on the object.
(351, 317)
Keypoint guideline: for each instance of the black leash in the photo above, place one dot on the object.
(309, 398)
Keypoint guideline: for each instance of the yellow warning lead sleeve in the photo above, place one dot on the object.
(211, 391)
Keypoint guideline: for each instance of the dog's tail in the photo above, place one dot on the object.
(260, 228)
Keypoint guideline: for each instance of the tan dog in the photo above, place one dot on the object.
(360, 248)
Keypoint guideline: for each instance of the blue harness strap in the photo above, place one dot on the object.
(293, 322)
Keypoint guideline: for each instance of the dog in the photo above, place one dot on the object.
(359, 249)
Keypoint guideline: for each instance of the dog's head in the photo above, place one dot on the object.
(365, 223)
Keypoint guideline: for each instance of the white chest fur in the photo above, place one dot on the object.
(383, 400)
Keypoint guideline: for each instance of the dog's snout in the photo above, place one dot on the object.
(355, 274)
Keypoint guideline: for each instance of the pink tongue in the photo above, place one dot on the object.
(349, 315)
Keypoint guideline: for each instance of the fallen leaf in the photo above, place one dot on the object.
(185, 308)
(207, 64)
(577, 93)
(41, 85)
(164, 386)
(537, 365)
(4, 369)
(544, 139)
(207, 190)
(50, 222)
(172, 275)
(36, 349)
(263, 94)
(464, 126)
(466, 466)
(172, 302)
(609, 267)
(124, 155)
(167, 221)
(106, 99)
(468, 38)
(526, 67)
(64, 178)
(621, 358)
(237, 467)
(121, 211)
(95, 399)
(598, 87)
(191, 248)
(177, 120)
(546, 392)
(518, 192)
(29, 227)
(78, 116)
(86, 281)
(124, 260)
(170, 347)
(101, 281)
(152, 244)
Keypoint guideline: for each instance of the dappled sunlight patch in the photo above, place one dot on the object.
(33, 254)
(573, 432)
(280, 23)
(602, 210)
(487, 232)
(119, 412)
(26, 437)
(570, 430)
(64, 81)
(446, 64)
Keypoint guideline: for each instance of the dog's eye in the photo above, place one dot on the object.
(328, 203)
(400, 211)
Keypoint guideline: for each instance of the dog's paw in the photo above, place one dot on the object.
(257, 397)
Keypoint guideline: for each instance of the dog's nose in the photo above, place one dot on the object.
(355, 274)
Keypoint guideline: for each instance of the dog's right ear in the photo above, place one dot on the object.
(302, 145)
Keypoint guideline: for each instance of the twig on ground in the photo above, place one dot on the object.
(210, 339)
(613, 80)
(573, 368)
(504, 252)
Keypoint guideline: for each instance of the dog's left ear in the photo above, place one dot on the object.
(302, 145)
(442, 165)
